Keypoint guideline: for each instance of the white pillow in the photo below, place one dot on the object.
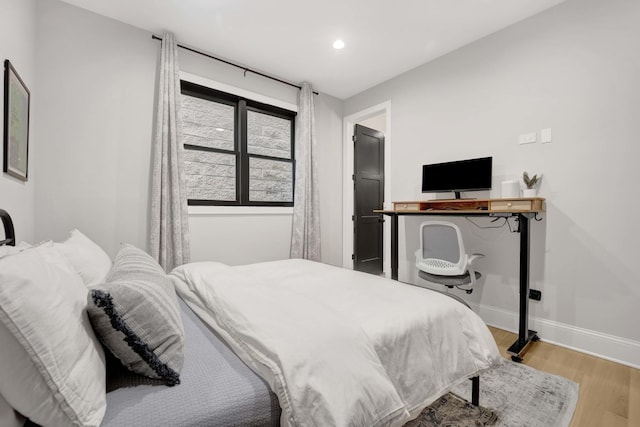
(11, 250)
(136, 315)
(52, 367)
(86, 257)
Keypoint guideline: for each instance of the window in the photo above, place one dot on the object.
(237, 151)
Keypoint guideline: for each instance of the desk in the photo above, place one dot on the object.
(521, 208)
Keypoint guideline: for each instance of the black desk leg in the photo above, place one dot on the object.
(524, 334)
(394, 247)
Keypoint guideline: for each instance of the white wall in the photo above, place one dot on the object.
(97, 80)
(575, 69)
(329, 142)
(96, 90)
(17, 44)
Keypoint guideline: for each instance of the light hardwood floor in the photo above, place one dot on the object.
(609, 392)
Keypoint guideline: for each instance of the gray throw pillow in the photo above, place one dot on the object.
(136, 315)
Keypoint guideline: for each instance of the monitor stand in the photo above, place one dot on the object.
(457, 197)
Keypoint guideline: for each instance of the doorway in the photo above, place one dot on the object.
(378, 116)
(368, 195)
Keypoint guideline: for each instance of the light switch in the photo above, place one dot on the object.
(527, 138)
(545, 135)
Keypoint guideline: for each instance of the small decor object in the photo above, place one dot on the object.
(530, 183)
(510, 189)
(16, 123)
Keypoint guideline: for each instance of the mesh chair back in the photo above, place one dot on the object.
(442, 248)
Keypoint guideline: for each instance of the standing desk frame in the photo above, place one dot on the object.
(481, 208)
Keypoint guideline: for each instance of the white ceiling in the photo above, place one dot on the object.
(291, 39)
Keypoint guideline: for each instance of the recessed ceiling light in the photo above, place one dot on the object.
(220, 129)
(338, 44)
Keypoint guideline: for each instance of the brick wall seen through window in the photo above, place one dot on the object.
(237, 151)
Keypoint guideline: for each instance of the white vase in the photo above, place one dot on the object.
(529, 192)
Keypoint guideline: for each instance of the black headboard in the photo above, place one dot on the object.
(9, 233)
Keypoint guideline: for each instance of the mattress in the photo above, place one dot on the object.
(216, 389)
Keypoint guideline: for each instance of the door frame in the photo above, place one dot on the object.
(349, 123)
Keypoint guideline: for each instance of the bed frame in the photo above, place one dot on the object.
(9, 233)
(10, 240)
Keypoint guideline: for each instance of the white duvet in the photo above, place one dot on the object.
(339, 347)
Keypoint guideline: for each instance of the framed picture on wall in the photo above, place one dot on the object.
(16, 123)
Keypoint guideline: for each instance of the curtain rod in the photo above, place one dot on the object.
(246, 69)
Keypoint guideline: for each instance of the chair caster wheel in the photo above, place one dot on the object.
(469, 291)
(516, 359)
(535, 338)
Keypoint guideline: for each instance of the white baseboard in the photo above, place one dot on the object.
(609, 347)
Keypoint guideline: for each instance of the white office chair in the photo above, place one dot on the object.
(442, 259)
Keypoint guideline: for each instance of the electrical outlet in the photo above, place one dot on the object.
(535, 294)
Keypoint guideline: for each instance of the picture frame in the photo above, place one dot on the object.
(17, 99)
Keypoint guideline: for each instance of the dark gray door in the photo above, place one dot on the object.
(368, 191)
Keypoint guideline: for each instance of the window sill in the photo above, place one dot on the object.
(240, 210)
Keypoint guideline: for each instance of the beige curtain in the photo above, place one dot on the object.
(305, 235)
(169, 228)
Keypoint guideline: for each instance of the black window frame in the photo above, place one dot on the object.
(241, 107)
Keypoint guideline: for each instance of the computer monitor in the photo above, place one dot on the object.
(457, 176)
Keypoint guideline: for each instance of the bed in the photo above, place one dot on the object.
(283, 343)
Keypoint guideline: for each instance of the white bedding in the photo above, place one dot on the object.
(339, 347)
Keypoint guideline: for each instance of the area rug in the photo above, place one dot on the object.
(511, 395)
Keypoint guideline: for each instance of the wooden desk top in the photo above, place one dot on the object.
(468, 206)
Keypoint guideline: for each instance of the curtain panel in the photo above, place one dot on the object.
(305, 235)
(169, 227)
